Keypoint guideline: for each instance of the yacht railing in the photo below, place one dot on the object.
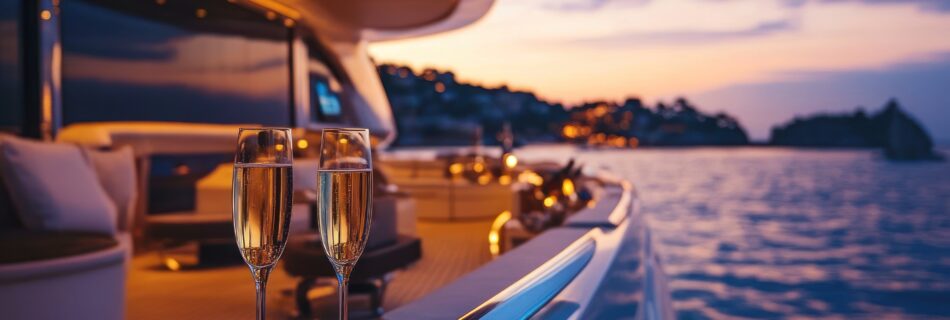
(525, 297)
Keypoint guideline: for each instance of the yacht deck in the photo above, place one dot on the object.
(450, 250)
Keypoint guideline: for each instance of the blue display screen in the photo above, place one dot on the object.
(325, 102)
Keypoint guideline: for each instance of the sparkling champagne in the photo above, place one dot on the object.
(345, 214)
(262, 201)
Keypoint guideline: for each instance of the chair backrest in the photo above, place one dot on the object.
(8, 215)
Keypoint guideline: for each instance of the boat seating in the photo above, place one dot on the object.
(60, 274)
(386, 251)
(214, 233)
(473, 289)
(305, 258)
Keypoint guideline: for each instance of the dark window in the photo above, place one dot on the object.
(11, 91)
(139, 61)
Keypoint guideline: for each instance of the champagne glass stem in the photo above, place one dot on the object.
(344, 283)
(260, 283)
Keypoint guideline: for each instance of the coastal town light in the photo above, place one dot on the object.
(569, 131)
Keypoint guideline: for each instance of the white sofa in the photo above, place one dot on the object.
(62, 274)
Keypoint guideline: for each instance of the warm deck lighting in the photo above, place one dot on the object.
(302, 144)
(289, 23)
(494, 233)
(504, 180)
(529, 176)
(279, 147)
(172, 264)
(456, 168)
(344, 141)
(478, 167)
(511, 161)
(46, 15)
(201, 13)
(567, 188)
(278, 7)
(549, 201)
(484, 179)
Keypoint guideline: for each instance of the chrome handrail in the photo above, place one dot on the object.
(525, 297)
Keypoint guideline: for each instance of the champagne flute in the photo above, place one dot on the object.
(262, 197)
(345, 201)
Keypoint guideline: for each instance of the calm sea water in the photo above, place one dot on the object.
(772, 233)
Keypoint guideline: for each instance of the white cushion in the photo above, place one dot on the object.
(54, 188)
(116, 172)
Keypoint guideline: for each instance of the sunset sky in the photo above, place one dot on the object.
(763, 61)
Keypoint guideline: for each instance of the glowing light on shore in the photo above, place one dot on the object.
(302, 144)
(494, 234)
(569, 131)
(634, 142)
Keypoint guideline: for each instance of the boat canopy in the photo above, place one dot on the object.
(380, 20)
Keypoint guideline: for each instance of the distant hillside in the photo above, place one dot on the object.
(432, 108)
(892, 129)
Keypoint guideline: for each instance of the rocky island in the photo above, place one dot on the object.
(892, 129)
(432, 107)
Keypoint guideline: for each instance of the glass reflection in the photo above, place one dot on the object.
(121, 66)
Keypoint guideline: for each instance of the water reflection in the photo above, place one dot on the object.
(768, 233)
